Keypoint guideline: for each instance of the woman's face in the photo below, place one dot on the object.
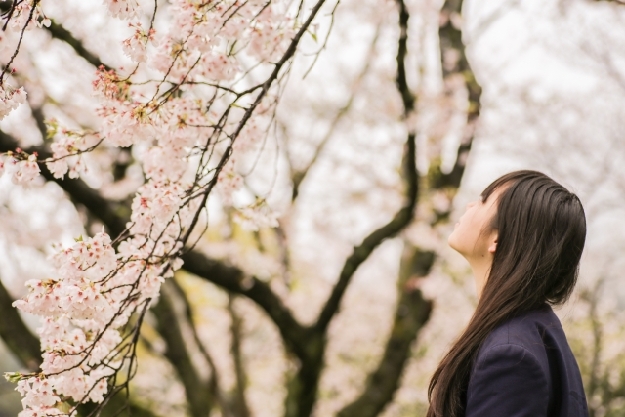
(472, 236)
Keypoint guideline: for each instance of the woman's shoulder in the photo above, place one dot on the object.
(533, 331)
(511, 371)
(529, 351)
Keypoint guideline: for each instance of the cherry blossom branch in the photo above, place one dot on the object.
(31, 13)
(89, 339)
(290, 51)
(26, 347)
(217, 272)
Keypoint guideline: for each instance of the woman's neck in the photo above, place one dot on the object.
(481, 269)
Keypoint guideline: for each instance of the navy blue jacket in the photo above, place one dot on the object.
(525, 368)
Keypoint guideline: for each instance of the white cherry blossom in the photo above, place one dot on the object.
(10, 99)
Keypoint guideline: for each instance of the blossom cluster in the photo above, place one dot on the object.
(76, 338)
(25, 16)
(10, 99)
(95, 292)
(68, 150)
(21, 167)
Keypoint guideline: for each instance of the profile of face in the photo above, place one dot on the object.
(473, 236)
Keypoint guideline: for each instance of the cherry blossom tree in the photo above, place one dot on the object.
(177, 284)
(188, 107)
(93, 308)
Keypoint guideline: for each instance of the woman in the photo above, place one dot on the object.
(523, 240)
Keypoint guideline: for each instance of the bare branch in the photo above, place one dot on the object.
(618, 2)
(411, 314)
(491, 18)
(59, 32)
(298, 176)
(240, 405)
(454, 63)
(405, 215)
(199, 398)
(213, 383)
(234, 280)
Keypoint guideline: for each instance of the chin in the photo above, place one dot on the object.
(450, 240)
(453, 242)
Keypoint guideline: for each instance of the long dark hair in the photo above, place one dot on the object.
(541, 230)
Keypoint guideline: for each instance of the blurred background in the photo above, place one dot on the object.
(496, 86)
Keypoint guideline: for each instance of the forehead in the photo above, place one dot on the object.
(496, 188)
